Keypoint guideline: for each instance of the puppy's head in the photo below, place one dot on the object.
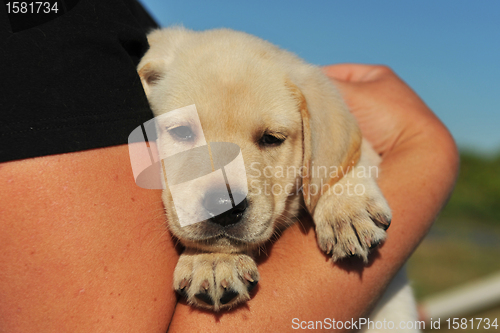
(284, 115)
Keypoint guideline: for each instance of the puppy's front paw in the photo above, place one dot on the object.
(352, 225)
(215, 281)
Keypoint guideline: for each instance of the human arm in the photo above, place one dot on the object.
(82, 247)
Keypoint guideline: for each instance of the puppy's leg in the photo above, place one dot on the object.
(352, 216)
(215, 281)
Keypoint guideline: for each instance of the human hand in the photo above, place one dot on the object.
(388, 111)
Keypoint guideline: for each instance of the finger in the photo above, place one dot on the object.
(356, 72)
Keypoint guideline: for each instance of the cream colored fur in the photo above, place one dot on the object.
(245, 88)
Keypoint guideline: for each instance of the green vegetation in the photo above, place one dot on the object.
(441, 263)
(464, 243)
(477, 192)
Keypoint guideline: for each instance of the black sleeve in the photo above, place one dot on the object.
(68, 82)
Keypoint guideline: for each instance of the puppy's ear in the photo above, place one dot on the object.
(163, 47)
(331, 136)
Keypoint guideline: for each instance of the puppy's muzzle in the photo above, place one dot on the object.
(222, 209)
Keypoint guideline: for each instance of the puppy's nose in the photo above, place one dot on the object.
(220, 207)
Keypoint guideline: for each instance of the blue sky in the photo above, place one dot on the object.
(448, 51)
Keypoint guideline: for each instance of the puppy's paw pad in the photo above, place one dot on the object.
(228, 296)
(349, 226)
(204, 297)
(215, 281)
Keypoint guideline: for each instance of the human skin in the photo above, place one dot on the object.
(417, 174)
(84, 249)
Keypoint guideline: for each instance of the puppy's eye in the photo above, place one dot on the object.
(272, 140)
(183, 133)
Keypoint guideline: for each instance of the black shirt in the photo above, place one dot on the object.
(68, 80)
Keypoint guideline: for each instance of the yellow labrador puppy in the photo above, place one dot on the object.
(301, 147)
